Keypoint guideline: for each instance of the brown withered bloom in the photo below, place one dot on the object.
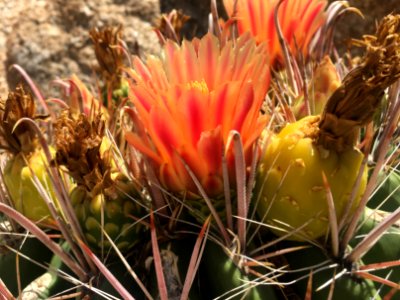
(19, 104)
(103, 197)
(353, 104)
(169, 26)
(78, 143)
(109, 54)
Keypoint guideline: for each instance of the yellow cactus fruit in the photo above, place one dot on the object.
(290, 183)
(291, 180)
(26, 158)
(18, 177)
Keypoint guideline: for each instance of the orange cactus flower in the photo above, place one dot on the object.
(189, 102)
(299, 20)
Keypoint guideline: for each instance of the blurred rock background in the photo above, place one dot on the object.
(49, 38)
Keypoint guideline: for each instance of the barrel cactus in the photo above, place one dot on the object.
(272, 144)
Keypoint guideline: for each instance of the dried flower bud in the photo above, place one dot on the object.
(19, 104)
(354, 103)
(107, 47)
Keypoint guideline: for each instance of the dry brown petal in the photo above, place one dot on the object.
(107, 47)
(78, 142)
(19, 104)
(354, 103)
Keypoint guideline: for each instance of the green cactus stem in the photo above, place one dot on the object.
(219, 275)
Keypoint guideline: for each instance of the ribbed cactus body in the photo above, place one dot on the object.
(115, 214)
(346, 286)
(291, 186)
(223, 279)
(18, 178)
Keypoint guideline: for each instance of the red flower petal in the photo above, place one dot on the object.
(210, 147)
(164, 132)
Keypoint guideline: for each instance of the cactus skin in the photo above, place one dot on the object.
(50, 284)
(290, 180)
(200, 210)
(124, 277)
(384, 250)
(24, 195)
(175, 257)
(219, 275)
(388, 192)
(346, 287)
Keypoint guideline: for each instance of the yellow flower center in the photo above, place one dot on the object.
(198, 85)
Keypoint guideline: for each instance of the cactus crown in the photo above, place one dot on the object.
(354, 103)
(19, 104)
(78, 142)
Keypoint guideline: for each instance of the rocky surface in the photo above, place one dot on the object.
(49, 38)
